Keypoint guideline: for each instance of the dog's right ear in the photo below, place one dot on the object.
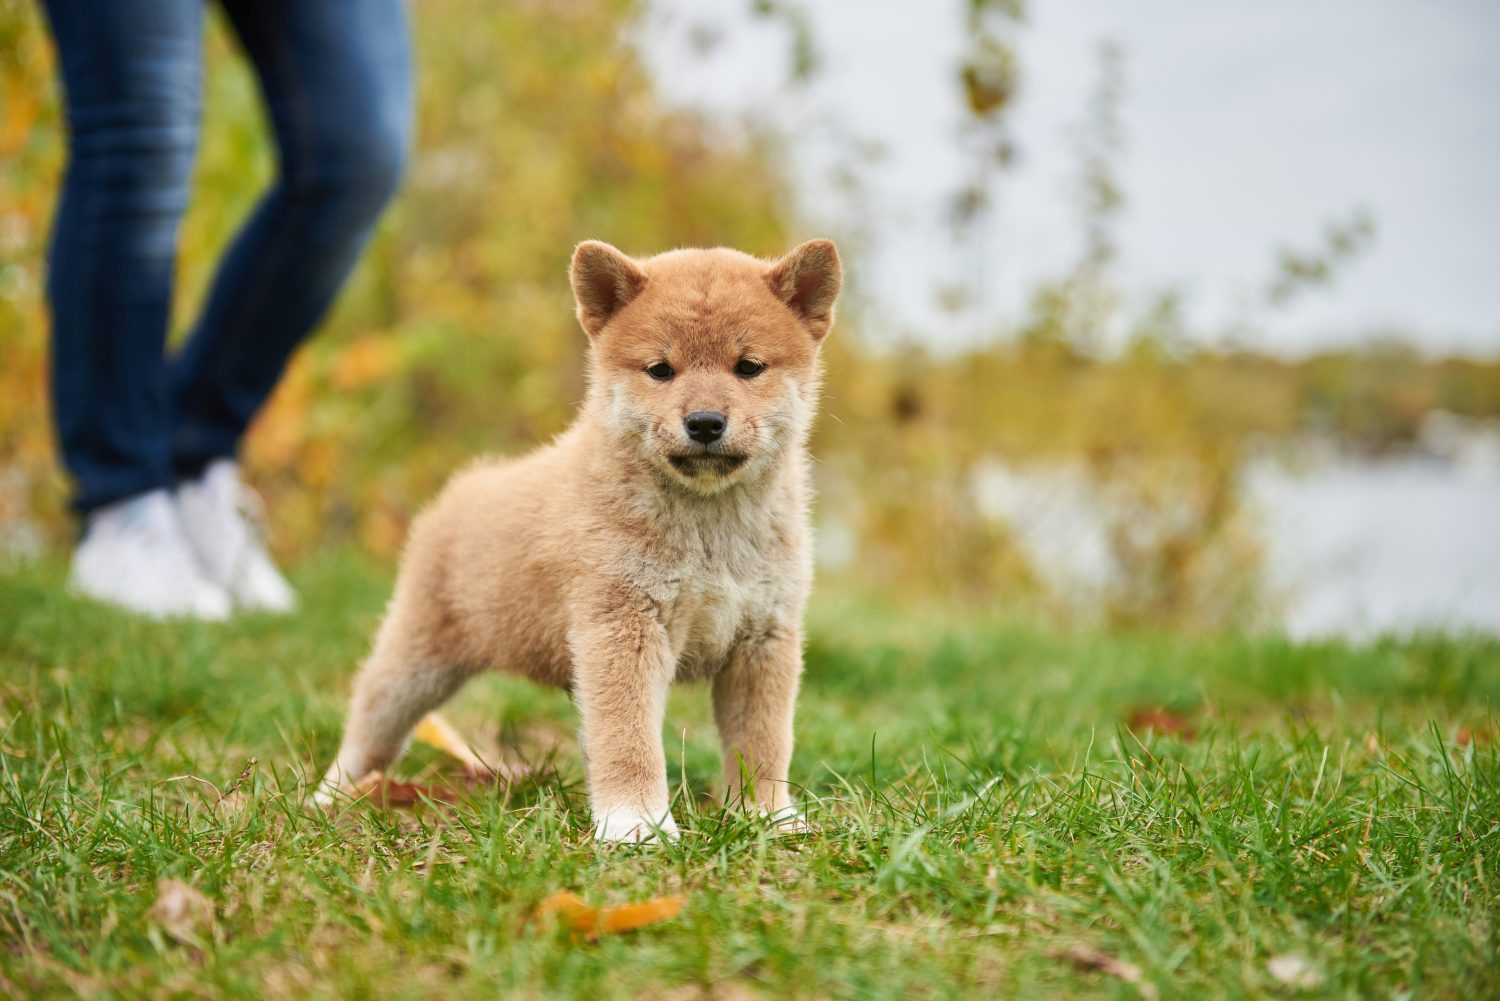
(604, 282)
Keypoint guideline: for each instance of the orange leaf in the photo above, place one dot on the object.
(629, 917)
(435, 731)
(591, 922)
(1478, 736)
(1163, 721)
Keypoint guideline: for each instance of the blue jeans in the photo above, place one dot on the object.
(336, 79)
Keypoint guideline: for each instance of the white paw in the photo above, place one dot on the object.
(335, 790)
(627, 825)
(787, 820)
(330, 793)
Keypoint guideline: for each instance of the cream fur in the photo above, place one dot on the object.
(624, 555)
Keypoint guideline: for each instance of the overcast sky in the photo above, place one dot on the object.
(1248, 126)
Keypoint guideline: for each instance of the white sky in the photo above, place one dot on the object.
(1248, 126)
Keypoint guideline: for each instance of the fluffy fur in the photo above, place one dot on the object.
(626, 555)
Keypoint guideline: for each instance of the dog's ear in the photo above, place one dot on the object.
(604, 282)
(808, 281)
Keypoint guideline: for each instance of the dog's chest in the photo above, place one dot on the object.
(718, 594)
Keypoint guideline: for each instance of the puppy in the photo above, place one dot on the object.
(663, 537)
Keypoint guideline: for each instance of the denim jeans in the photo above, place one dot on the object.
(336, 79)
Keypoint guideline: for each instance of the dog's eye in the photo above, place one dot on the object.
(747, 369)
(661, 371)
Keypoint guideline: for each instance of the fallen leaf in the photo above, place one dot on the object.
(1162, 720)
(181, 910)
(1294, 971)
(435, 731)
(1086, 957)
(378, 790)
(591, 922)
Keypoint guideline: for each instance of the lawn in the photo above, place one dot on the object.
(998, 810)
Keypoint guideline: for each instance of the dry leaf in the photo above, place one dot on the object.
(591, 922)
(1294, 971)
(379, 790)
(181, 910)
(1086, 957)
(1479, 737)
(435, 731)
(1162, 720)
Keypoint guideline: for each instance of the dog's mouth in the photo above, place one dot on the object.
(707, 463)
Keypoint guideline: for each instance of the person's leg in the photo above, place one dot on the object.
(131, 71)
(337, 80)
(131, 74)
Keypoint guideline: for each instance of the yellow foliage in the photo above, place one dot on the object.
(538, 128)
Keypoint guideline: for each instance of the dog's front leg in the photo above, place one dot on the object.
(622, 668)
(754, 699)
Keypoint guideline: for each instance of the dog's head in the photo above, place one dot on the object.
(705, 361)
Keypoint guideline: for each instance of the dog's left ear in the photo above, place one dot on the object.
(808, 281)
(604, 282)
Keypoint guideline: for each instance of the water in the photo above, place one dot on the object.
(1351, 547)
(1396, 546)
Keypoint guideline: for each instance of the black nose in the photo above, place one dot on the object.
(706, 426)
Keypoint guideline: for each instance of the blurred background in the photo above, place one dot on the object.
(1161, 315)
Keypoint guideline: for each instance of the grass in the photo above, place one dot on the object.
(1321, 821)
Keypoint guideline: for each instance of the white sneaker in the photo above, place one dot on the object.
(134, 555)
(222, 518)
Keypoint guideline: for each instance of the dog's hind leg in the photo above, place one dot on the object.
(394, 690)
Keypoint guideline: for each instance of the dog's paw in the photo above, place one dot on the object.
(788, 820)
(627, 825)
(336, 791)
(330, 795)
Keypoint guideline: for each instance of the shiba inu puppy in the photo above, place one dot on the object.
(663, 537)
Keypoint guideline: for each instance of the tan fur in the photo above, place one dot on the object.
(596, 564)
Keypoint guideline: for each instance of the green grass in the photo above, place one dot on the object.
(981, 809)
